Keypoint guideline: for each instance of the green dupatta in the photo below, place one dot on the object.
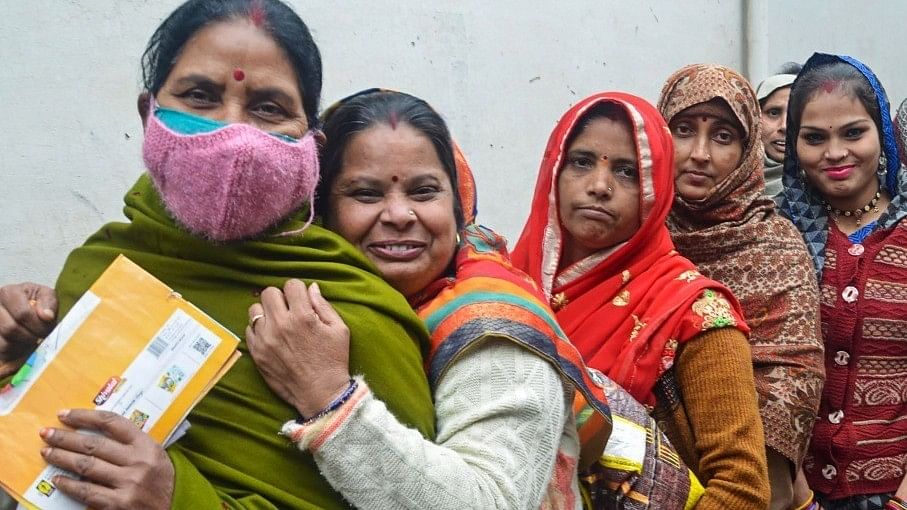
(232, 455)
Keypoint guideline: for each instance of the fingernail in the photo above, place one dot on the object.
(46, 433)
(45, 451)
(316, 287)
(63, 413)
(48, 312)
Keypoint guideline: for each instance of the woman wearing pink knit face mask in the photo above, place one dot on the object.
(231, 96)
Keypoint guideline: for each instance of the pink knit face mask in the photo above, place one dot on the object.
(228, 182)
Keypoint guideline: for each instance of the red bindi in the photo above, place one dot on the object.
(395, 178)
(393, 120)
(605, 158)
(239, 75)
(829, 86)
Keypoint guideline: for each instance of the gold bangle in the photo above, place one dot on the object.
(809, 501)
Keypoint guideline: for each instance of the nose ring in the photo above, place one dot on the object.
(708, 157)
(610, 190)
(411, 213)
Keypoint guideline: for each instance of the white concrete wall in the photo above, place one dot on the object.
(502, 73)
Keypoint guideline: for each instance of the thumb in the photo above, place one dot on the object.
(46, 303)
(321, 306)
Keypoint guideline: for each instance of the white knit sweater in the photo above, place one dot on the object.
(506, 440)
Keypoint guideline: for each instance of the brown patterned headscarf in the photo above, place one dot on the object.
(735, 236)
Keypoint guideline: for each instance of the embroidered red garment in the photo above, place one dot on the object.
(859, 443)
(628, 307)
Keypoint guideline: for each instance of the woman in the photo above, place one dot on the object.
(722, 223)
(596, 241)
(502, 373)
(845, 193)
(250, 64)
(773, 94)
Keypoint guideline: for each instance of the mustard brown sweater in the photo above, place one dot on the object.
(708, 408)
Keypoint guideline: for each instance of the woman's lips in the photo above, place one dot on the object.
(839, 173)
(595, 213)
(696, 178)
(398, 251)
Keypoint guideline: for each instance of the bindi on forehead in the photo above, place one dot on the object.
(829, 86)
(395, 178)
(238, 74)
(393, 120)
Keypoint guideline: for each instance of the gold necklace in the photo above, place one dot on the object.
(857, 213)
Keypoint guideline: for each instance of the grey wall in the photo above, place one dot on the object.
(502, 73)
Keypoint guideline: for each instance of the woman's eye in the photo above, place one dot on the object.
(683, 130)
(626, 171)
(774, 112)
(582, 162)
(813, 138)
(724, 137)
(199, 97)
(269, 110)
(366, 195)
(423, 193)
(854, 133)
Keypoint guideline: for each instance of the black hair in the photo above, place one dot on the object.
(789, 68)
(273, 16)
(845, 77)
(369, 109)
(608, 110)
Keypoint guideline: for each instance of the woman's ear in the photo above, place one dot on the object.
(144, 106)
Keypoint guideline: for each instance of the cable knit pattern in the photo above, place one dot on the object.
(506, 440)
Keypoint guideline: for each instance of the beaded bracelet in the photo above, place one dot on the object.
(896, 503)
(333, 406)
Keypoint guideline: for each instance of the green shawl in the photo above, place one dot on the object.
(232, 453)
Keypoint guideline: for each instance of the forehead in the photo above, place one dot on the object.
(223, 46)
(778, 97)
(834, 107)
(716, 109)
(384, 152)
(606, 133)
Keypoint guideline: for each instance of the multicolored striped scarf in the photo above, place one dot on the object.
(488, 297)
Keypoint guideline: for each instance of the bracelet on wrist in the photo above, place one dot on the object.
(333, 406)
(809, 504)
(896, 503)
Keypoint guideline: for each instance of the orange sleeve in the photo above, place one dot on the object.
(715, 374)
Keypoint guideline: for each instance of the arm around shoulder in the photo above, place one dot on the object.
(501, 416)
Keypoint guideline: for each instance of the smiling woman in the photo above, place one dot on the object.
(846, 192)
(397, 204)
(503, 375)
